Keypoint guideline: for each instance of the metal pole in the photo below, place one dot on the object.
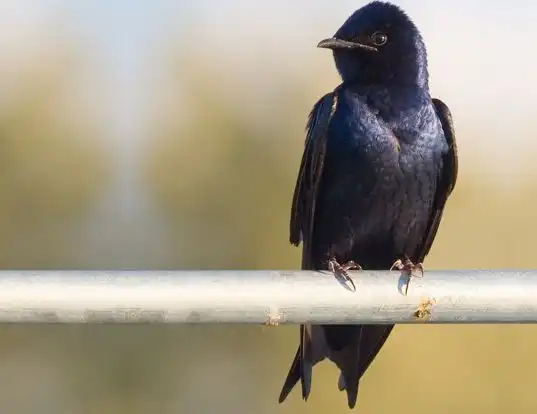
(266, 296)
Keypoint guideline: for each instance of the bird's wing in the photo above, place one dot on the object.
(446, 179)
(311, 349)
(309, 176)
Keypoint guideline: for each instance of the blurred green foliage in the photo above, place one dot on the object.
(52, 168)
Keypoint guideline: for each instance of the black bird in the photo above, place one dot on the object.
(379, 163)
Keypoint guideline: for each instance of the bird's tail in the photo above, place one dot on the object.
(311, 350)
(354, 358)
(352, 348)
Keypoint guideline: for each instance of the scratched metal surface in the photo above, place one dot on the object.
(270, 297)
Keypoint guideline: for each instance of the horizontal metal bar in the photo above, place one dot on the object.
(267, 296)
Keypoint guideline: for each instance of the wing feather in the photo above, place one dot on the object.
(446, 179)
(301, 230)
(309, 175)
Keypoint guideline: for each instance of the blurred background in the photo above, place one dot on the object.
(168, 134)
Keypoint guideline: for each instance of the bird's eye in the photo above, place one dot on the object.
(379, 38)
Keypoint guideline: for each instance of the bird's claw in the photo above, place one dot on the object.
(341, 270)
(406, 265)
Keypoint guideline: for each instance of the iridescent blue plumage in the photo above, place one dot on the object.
(378, 166)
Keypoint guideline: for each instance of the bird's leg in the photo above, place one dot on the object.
(406, 265)
(341, 270)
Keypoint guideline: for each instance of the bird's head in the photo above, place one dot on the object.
(379, 44)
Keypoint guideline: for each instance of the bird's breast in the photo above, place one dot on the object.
(379, 181)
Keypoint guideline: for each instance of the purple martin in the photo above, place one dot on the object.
(379, 164)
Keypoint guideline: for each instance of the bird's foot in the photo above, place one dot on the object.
(406, 265)
(341, 270)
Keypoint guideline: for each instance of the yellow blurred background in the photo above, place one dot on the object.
(168, 134)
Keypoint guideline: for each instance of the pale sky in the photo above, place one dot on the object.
(480, 52)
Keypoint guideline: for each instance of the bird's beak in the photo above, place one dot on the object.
(335, 43)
